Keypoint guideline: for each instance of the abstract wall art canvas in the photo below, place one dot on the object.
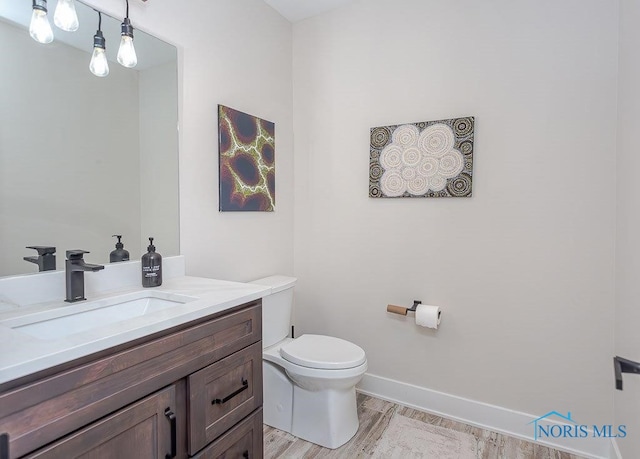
(246, 162)
(431, 159)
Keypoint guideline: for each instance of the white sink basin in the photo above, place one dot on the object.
(84, 316)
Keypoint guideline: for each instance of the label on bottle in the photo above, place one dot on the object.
(151, 271)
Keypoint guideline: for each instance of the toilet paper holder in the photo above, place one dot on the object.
(401, 309)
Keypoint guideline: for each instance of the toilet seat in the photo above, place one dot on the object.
(323, 353)
(272, 354)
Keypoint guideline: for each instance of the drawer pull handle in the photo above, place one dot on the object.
(245, 454)
(174, 434)
(217, 401)
(4, 446)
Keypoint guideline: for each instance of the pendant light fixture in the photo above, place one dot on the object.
(127, 53)
(99, 65)
(39, 28)
(65, 16)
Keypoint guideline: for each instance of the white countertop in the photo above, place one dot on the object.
(21, 354)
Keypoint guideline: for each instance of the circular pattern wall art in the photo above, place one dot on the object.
(430, 159)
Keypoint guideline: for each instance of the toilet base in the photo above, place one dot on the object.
(278, 397)
(328, 417)
(316, 405)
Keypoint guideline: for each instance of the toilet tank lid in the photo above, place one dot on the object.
(277, 283)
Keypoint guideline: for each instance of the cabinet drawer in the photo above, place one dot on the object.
(243, 441)
(222, 394)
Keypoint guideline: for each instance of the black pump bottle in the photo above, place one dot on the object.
(151, 267)
(119, 254)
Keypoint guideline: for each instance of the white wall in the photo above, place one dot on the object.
(56, 188)
(524, 270)
(627, 402)
(237, 53)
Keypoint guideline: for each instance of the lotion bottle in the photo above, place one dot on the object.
(119, 254)
(151, 267)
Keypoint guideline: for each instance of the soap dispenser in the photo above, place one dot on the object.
(151, 267)
(119, 254)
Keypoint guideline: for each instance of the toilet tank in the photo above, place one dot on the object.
(276, 308)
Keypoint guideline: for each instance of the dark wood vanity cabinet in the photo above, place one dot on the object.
(190, 391)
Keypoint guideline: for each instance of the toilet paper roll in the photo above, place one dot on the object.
(428, 316)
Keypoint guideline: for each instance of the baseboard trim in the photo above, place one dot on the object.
(483, 415)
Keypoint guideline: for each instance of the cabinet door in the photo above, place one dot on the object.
(145, 429)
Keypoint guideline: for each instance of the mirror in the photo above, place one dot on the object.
(83, 157)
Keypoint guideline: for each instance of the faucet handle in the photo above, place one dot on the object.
(43, 249)
(76, 254)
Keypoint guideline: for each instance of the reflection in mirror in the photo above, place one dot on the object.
(82, 157)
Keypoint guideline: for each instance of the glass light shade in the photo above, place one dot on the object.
(65, 16)
(127, 53)
(39, 28)
(99, 65)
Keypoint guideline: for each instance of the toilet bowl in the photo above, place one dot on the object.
(308, 382)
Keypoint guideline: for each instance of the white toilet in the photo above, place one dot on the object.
(309, 382)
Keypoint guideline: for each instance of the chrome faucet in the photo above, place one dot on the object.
(74, 275)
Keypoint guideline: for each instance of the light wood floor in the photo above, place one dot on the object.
(375, 415)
